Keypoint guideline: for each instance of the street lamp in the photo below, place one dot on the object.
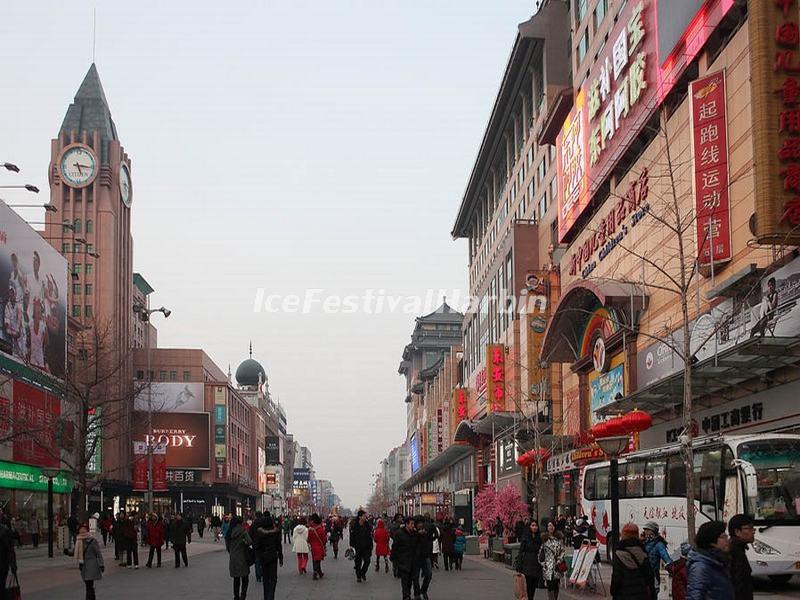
(27, 186)
(50, 473)
(10, 167)
(144, 316)
(47, 207)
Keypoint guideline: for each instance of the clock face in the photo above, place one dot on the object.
(125, 185)
(78, 165)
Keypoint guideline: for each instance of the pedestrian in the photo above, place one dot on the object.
(130, 537)
(300, 545)
(201, 526)
(118, 533)
(422, 567)
(742, 534)
(528, 558)
(381, 538)
(8, 556)
(72, 528)
(216, 527)
(317, 539)
(106, 524)
(336, 535)
(288, 526)
(34, 528)
(180, 535)
(580, 532)
(677, 571)
(239, 546)
(551, 557)
(155, 539)
(226, 525)
(433, 530)
(656, 548)
(90, 560)
(269, 552)
(447, 537)
(459, 546)
(361, 542)
(404, 550)
(708, 565)
(167, 531)
(631, 575)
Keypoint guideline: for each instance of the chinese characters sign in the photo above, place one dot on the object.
(495, 378)
(710, 144)
(35, 416)
(611, 108)
(775, 78)
(94, 440)
(459, 408)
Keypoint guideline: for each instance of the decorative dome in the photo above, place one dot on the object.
(247, 374)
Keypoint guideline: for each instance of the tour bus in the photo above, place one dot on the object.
(757, 474)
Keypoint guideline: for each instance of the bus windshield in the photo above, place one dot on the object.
(777, 464)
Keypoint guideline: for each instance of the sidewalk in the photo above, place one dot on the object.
(37, 572)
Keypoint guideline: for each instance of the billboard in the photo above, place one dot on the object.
(33, 296)
(186, 436)
(273, 450)
(414, 445)
(301, 478)
(35, 415)
(262, 468)
(171, 397)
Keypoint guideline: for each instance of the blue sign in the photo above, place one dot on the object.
(219, 414)
(606, 387)
(414, 454)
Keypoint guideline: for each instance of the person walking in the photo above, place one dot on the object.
(72, 528)
(201, 526)
(8, 556)
(288, 526)
(90, 560)
(216, 527)
(155, 539)
(238, 544)
(403, 553)
(459, 546)
(317, 539)
(361, 542)
(130, 536)
(708, 565)
(528, 558)
(106, 525)
(631, 575)
(742, 534)
(34, 528)
(551, 557)
(423, 567)
(179, 535)
(656, 548)
(381, 538)
(434, 532)
(118, 533)
(266, 534)
(335, 535)
(447, 537)
(300, 545)
(677, 571)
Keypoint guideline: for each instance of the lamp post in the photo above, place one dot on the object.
(50, 473)
(613, 447)
(9, 167)
(144, 315)
(27, 186)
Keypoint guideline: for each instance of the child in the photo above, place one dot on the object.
(459, 546)
(677, 570)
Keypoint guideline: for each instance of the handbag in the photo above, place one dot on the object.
(12, 591)
(520, 587)
(561, 566)
(250, 554)
(518, 562)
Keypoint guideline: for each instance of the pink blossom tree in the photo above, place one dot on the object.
(485, 506)
(510, 507)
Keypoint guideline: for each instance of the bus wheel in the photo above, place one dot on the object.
(780, 579)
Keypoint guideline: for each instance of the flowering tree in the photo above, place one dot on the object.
(507, 504)
(485, 506)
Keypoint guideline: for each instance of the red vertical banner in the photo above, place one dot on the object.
(139, 466)
(495, 378)
(160, 468)
(35, 416)
(711, 180)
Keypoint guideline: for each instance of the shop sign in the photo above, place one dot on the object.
(219, 395)
(775, 83)
(496, 379)
(26, 477)
(94, 440)
(460, 405)
(559, 463)
(623, 216)
(36, 415)
(610, 110)
(219, 414)
(588, 454)
(439, 430)
(507, 455)
(480, 381)
(184, 476)
(605, 387)
(221, 470)
(722, 420)
(710, 144)
(429, 438)
(414, 452)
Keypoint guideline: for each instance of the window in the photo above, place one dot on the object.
(76, 268)
(66, 227)
(76, 310)
(163, 375)
(173, 376)
(89, 226)
(542, 205)
(76, 247)
(676, 476)
(634, 487)
(140, 374)
(588, 485)
(553, 189)
(187, 375)
(89, 248)
(583, 45)
(77, 226)
(88, 288)
(89, 269)
(530, 157)
(88, 310)
(541, 170)
(599, 14)
(65, 248)
(580, 10)
(601, 483)
(83, 354)
(77, 289)
(655, 478)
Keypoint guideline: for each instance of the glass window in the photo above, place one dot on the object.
(187, 375)
(580, 10)
(89, 248)
(601, 483)
(588, 485)
(89, 269)
(77, 289)
(634, 487)
(65, 248)
(553, 189)
(777, 464)
(88, 288)
(76, 247)
(583, 45)
(655, 478)
(163, 375)
(76, 310)
(140, 374)
(541, 169)
(173, 376)
(76, 268)
(676, 476)
(89, 226)
(88, 310)
(600, 12)
(77, 226)
(530, 157)
(542, 205)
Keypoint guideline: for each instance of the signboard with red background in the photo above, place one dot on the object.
(495, 378)
(35, 416)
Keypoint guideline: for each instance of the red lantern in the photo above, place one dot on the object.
(600, 430)
(615, 427)
(637, 420)
(521, 460)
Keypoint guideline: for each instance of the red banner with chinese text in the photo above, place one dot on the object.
(710, 145)
(495, 378)
(35, 416)
(139, 467)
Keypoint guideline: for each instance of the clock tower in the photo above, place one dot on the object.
(90, 186)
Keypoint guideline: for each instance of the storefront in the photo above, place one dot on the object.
(23, 493)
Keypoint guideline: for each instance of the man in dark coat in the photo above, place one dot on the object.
(361, 542)
(742, 533)
(447, 538)
(8, 556)
(403, 553)
(179, 535)
(423, 565)
(266, 534)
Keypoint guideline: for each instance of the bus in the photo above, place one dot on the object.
(757, 474)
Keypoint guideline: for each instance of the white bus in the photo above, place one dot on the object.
(758, 474)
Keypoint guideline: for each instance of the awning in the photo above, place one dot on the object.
(738, 284)
(578, 301)
(491, 424)
(749, 360)
(447, 457)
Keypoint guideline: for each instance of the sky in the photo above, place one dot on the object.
(280, 147)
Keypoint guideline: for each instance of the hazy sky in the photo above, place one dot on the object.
(291, 146)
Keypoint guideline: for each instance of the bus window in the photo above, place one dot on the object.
(588, 485)
(707, 466)
(676, 476)
(635, 479)
(622, 479)
(601, 484)
(655, 478)
(777, 464)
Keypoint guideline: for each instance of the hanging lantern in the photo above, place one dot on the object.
(542, 454)
(600, 430)
(616, 427)
(637, 421)
(521, 460)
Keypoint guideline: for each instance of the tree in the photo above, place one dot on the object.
(507, 505)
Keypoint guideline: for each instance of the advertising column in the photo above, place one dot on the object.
(220, 422)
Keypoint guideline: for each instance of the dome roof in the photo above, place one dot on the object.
(248, 373)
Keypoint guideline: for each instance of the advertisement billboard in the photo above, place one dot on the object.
(33, 296)
(301, 478)
(35, 415)
(273, 450)
(170, 397)
(414, 445)
(186, 436)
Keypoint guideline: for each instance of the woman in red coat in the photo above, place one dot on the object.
(155, 539)
(381, 537)
(317, 538)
